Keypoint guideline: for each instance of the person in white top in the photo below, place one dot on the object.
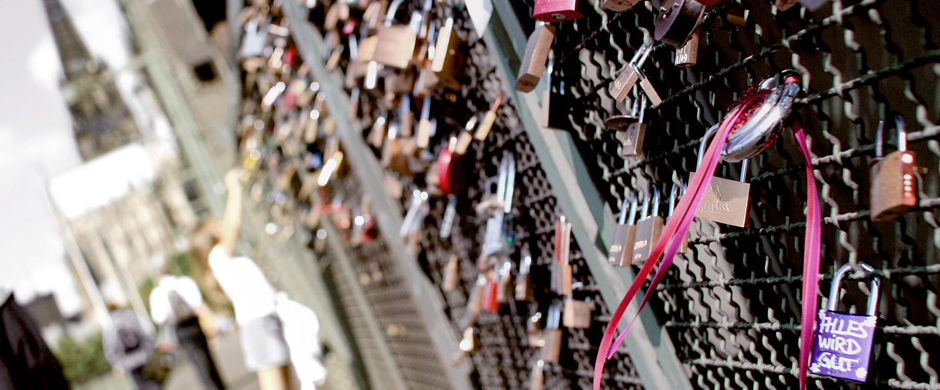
(262, 339)
(176, 305)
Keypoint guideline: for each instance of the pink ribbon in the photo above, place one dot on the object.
(676, 228)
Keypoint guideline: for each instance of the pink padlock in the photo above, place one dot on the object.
(556, 10)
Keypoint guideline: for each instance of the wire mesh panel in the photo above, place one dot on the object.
(732, 303)
(380, 277)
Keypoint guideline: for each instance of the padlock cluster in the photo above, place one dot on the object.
(407, 151)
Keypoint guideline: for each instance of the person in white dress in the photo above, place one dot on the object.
(262, 339)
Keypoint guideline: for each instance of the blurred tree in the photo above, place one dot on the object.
(82, 360)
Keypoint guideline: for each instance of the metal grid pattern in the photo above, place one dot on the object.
(732, 303)
(353, 315)
(504, 360)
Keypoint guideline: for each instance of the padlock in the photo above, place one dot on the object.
(372, 17)
(536, 56)
(537, 378)
(465, 137)
(635, 133)
(556, 10)
(578, 314)
(561, 271)
(619, 5)
(687, 54)
(524, 278)
(535, 330)
(406, 118)
(469, 343)
(417, 211)
(497, 235)
(678, 20)
(474, 303)
(449, 60)
(726, 201)
(400, 155)
(630, 75)
(491, 300)
(451, 274)
(843, 341)
(813, 5)
(488, 120)
(554, 335)
(396, 43)
(564, 271)
(894, 178)
(450, 215)
(400, 83)
(338, 12)
(424, 124)
(621, 253)
(504, 280)
(377, 133)
(647, 229)
(622, 122)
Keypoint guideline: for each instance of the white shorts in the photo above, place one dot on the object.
(263, 343)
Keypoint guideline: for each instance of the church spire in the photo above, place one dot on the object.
(75, 57)
(101, 121)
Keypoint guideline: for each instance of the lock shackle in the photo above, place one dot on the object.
(624, 208)
(489, 184)
(900, 126)
(642, 112)
(701, 147)
(837, 286)
(678, 189)
(656, 200)
(392, 11)
(701, 152)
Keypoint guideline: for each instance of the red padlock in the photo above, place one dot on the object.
(289, 55)
(450, 171)
(556, 10)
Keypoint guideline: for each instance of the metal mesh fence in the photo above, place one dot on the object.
(731, 303)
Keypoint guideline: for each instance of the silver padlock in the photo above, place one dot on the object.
(843, 341)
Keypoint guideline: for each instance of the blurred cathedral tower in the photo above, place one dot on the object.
(101, 120)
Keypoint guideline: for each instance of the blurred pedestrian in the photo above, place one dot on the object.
(262, 339)
(26, 362)
(129, 342)
(176, 305)
(302, 332)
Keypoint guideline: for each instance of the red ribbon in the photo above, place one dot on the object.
(676, 228)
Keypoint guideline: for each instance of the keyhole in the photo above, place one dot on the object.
(558, 16)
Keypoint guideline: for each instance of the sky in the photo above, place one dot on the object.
(36, 139)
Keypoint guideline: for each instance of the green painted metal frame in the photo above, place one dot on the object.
(593, 222)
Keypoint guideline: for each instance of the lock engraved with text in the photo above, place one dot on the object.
(843, 341)
(726, 201)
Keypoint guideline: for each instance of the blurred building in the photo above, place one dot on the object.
(102, 121)
(207, 78)
(128, 214)
(129, 206)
